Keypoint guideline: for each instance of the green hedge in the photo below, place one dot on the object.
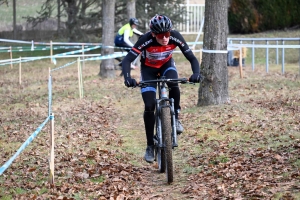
(250, 16)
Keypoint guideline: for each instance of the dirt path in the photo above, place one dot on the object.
(156, 180)
(132, 130)
(225, 152)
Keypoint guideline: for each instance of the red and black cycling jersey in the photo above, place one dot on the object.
(155, 55)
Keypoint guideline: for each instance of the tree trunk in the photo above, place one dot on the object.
(213, 89)
(15, 17)
(72, 22)
(58, 16)
(107, 69)
(130, 8)
(131, 12)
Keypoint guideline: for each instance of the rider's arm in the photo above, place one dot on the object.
(137, 32)
(126, 38)
(187, 52)
(126, 62)
(135, 52)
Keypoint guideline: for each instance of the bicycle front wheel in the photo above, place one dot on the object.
(167, 141)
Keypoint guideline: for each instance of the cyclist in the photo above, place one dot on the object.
(156, 48)
(126, 32)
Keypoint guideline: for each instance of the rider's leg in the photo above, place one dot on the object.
(174, 91)
(118, 59)
(149, 96)
(149, 121)
(149, 118)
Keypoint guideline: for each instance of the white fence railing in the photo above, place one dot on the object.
(268, 44)
(193, 19)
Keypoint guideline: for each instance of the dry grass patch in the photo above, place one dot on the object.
(225, 151)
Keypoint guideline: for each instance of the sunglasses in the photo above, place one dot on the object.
(162, 35)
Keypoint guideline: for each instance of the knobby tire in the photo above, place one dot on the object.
(161, 157)
(167, 138)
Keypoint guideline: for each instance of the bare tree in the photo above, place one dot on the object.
(107, 66)
(79, 16)
(15, 17)
(3, 2)
(58, 16)
(131, 12)
(146, 9)
(73, 24)
(83, 17)
(214, 88)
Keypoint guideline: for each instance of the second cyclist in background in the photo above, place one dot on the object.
(122, 38)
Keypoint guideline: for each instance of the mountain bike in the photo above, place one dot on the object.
(165, 138)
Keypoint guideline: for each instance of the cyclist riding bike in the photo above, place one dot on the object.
(122, 39)
(156, 48)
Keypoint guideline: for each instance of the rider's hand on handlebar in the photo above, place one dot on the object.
(195, 78)
(130, 82)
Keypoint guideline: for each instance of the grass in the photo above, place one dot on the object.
(99, 179)
(7, 12)
(231, 127)
(258, 127)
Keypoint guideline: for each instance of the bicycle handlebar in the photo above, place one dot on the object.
(166, 80)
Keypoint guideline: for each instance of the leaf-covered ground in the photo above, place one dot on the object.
(248, 149)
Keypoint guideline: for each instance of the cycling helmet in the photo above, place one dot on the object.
(160, 24)
(133, 21)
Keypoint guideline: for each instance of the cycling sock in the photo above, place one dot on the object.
(149, 121)
(175, 94)
(177, 113)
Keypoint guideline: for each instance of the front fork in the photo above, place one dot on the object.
(174, 131)
(173, 122)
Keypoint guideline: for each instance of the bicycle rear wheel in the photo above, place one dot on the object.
(166, 127)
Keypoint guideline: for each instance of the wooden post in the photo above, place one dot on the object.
(20, 71)
(51, 163)
(51, 52)
(83, 56)
(79, 79)
(81, 82)
(10, 54)
(240, 63)
(50, 92)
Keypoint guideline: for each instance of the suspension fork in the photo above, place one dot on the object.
(174, 131)
(158, 123)
(173, 122)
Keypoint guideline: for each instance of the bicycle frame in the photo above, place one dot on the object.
(164, 101)
(166, 136)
